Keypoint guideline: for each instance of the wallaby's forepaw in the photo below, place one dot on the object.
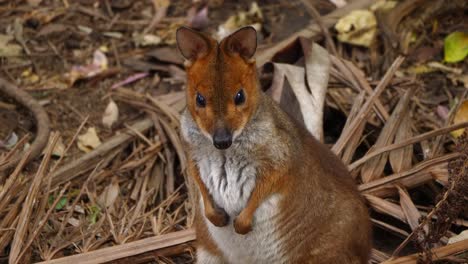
(242, 225)
(218, 217)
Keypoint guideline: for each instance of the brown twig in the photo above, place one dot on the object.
(42, 122)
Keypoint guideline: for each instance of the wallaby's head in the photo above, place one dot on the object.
(222, 86)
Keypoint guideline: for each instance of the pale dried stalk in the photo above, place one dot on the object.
(386, 207)
(410, 211)
(42, 222)
(354, 142)
(404, 143)
(28, 205)
(401, 159)
(374, 168)
(369, 187)
(130, 249)
(437, 253)
(362, 116)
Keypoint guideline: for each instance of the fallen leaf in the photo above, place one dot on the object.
(46, 15)
(8, 49)
(85, 29)
(460, 237)
(419, 69)
(116, 35)
(29, 77)
(59, 148)
(442, 67)
(74, 222)
(198, 19)
(459, 78)
(253, 17)
(99, 65)
(88, 141)
(61, 203)
(110, 194)
(442, 111)
(111, 114)
(146, 39)
(425, 53)
(359, 27)
(401, 159)
(94, 211)
(130, 79)
(383, 5)
(10, 142)
(373, 169)
(460, 117)
(339, 3)
(409, 209)
(294, 96)
(456, 47)
(34, 2)
(51, 29)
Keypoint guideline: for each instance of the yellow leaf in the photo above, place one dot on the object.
(89, 141)
(359, 27)
(456, 47)
(460, 117)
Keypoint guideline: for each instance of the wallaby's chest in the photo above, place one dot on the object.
(262, 245)
(229, 177)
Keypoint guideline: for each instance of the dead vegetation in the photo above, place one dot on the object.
(108, 184)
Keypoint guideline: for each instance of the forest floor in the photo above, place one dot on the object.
(105, 167)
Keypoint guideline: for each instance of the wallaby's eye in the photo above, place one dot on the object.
(201, 102)
(240, 97)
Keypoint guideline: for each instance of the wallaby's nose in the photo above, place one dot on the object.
(222, 138)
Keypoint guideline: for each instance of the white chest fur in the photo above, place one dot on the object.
(261, 245)
(230, 179)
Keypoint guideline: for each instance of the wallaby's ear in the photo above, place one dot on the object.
(242, 42)
(192, 44)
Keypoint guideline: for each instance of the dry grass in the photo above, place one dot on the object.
(129, 198)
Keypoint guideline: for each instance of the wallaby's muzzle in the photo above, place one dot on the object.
(222, 138)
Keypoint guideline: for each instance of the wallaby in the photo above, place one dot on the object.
(269, 191)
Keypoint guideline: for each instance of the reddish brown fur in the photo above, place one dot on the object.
(218, 76)
(334, 221)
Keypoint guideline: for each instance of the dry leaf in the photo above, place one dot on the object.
(339, 3)
(401, 159)
(145, 39)
(74, 222)
(460, 237)
(411, 212)
(198, 19)
(111, 114)
(88, 141)
(108, 197)
(99, 65)
(358, 27)
(459, 78)
(294, 96)
(130, 79)
(383, 5)
(385, 207)
(34, 2)
(253, 17)
(374, 168)
(350, 148)
(8, 49)
(59, 148)
(460, 117)
(10, 142)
